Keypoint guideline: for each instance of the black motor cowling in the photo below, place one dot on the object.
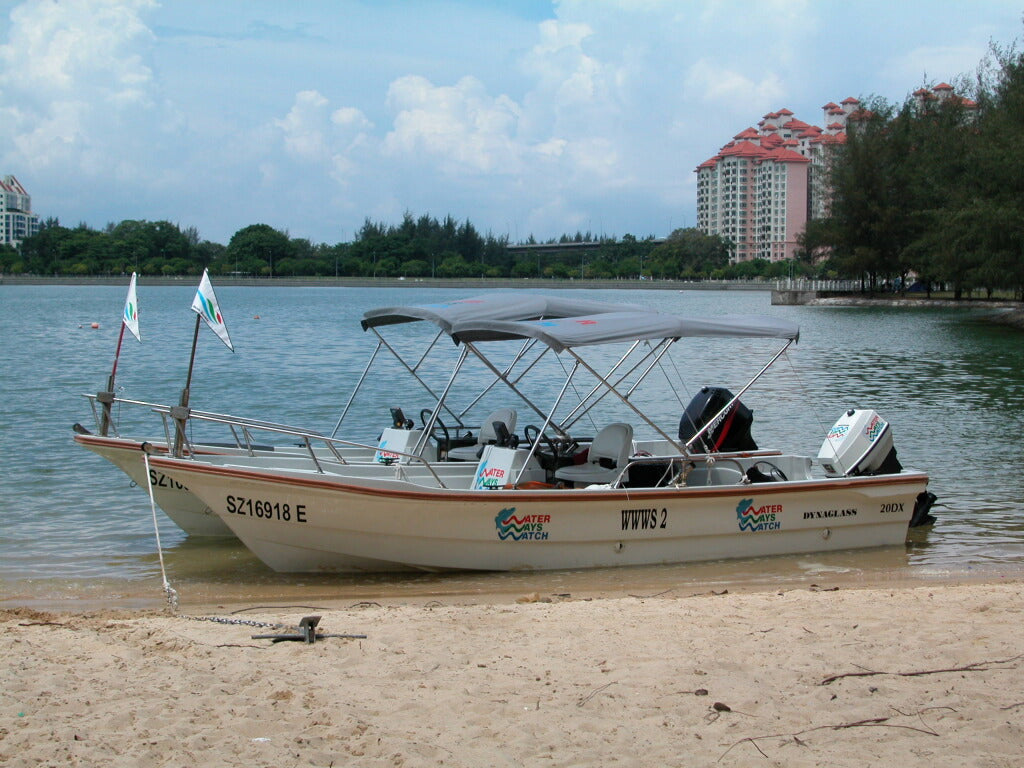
(730, 433)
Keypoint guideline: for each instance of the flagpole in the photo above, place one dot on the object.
(106, 399)
(180, 414)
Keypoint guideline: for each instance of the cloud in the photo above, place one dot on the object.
(302, 127)
(713, 84)
(936, 63)
(73, 70)
(314, 135)
(459, 128)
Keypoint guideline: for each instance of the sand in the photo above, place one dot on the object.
(736, 679)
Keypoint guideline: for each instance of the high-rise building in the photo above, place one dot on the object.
(761, 187)
(16, 218)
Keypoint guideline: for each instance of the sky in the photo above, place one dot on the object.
(522, 117)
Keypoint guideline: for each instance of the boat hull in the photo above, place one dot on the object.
(184, 509)
(302, 522)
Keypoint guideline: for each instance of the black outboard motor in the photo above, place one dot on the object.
(922, 509)
(731, 432)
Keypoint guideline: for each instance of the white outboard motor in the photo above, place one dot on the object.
(860, 443)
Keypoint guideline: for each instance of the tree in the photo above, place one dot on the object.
(689, 253)
(257, 247)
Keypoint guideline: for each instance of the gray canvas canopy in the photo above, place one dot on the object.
(492, 306)
(564, 333)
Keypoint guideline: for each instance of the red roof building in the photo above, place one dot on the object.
(763, 186)
(760, 187)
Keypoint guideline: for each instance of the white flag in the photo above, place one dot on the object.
(205, 304)
(131, 310)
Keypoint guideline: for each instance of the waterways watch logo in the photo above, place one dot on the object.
(527, 527)
(763, 518)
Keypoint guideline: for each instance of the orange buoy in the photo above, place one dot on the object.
(94, 325)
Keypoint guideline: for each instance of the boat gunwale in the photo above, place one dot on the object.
(130, 444)
(906, 477)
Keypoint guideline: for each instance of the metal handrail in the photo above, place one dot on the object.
(332, 442)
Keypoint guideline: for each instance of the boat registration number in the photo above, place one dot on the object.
(268, 510)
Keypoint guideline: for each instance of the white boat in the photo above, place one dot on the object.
(251, 440)
(618, 504)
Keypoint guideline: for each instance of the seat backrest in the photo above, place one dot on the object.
(504, 415)
(614, 442)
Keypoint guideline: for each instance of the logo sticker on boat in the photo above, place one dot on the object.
(489, 476)
(874, 428)
(763, 518)
(527, 527)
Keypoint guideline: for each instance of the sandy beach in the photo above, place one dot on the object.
(914, 675)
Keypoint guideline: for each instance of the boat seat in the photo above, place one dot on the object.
(609, 454)
(487, 434)
(714, 476)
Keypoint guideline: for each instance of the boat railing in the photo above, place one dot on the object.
(234, 423)
(307, 439)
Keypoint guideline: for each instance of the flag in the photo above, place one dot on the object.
(131, 310)
(205, 304)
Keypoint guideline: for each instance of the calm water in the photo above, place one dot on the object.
(73, 528)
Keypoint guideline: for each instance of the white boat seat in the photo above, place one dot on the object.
(506, 416)
(609, 454)
(714, 476)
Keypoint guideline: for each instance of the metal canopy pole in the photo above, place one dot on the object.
(502, 377)
(632, 407)
(739, 394)
(663, 345)
(547, 420)
(414, 374)
(496, 372)
(421, 443)
(359, 384)
(601, 380)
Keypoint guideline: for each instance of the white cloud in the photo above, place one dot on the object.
(302, 127)
(74, 70)
(313, 134)
(712, 83)
(64, 47)
(460, 128)
(936, 63)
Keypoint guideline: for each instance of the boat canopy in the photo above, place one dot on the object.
(564, 333)
(491, 306)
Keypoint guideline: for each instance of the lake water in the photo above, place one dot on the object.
(74, 531)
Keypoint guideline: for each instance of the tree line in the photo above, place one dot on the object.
(932, 188)
(416, 248)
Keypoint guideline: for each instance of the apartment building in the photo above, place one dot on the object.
(16, 218)
(761, 187)
(764, 185)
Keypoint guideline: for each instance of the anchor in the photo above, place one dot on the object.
(306, 633)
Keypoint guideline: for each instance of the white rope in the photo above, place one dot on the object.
(172, 596)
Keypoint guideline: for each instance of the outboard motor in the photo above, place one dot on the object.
(860, 443)
(731, 432)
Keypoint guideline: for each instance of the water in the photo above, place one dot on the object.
(74, 531)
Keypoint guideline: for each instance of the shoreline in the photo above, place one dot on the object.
(797, 677)
(780, 296)
(483, 283)
(468, 588)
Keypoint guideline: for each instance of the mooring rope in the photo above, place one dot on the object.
(172, 596)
